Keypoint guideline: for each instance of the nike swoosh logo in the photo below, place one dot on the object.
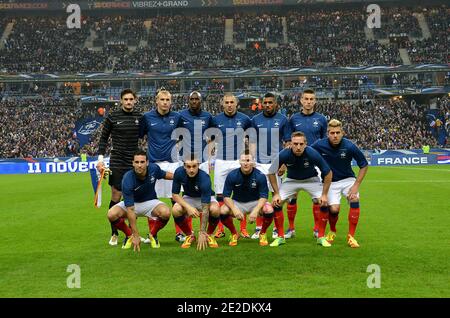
(289, 164)
(297, 125)
(137, 188)
(185, 122)
(324, 154)
(220, 126)
(259, 125)
(119, 122)
(238, 185)
(153, 124)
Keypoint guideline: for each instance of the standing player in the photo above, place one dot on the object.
(338, 152)
(272, 131)
(246, 191)
(139, 199)
(198, 196)
(123, 127)
(232, 125)
(300, 161)
(196, 121)
(158, 125)
(314, 126)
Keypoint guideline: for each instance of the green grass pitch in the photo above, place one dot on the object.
(49, 222)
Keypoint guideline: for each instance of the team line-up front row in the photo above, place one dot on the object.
(245, 191)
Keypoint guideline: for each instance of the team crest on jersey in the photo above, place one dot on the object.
(203, 123)
(152, 179)
(343, 154)
(196, 188)
(172, 122)
(276, 124)
(136, 121)
(238, 123)
(306, 164)
(253, 185)
(315, 124)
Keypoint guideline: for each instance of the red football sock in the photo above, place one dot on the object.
(353, 217)
(183, 223)
(190, 222)
(316, 211)
(121, 225)
(291, 212)
(178, 229)
(228, 222)
(259, 221)
(322, 221)
(333, 217)
(151, 224)
(266, 221)
(279, 222)
(212, 223)
(220, 225)
(244, 223)
(159, 224)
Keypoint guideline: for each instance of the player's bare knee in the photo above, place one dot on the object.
(177, 210)
(334, 209)
(224, 210)
(214, 210)
(114, 213)
(267, 208)
(162, 211)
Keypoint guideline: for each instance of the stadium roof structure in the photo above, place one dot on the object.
(225, 73)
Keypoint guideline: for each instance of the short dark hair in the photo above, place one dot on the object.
(127, 91)
(309, 91)
(268, 95)
(140, 152)
(191, 157)
(298, 134)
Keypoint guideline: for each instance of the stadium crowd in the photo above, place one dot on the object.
(44, 128)
(314, 37)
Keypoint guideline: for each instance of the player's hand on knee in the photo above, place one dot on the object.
(323, 200)
(276, 200)
(252, 217)
(192, 212)
(281, 171)
(238, 215)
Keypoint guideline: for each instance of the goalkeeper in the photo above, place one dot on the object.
(123, 127)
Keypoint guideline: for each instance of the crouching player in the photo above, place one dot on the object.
(338, 152)
(248, 186)
(138, 190)
(198, 196)
(300, 161)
